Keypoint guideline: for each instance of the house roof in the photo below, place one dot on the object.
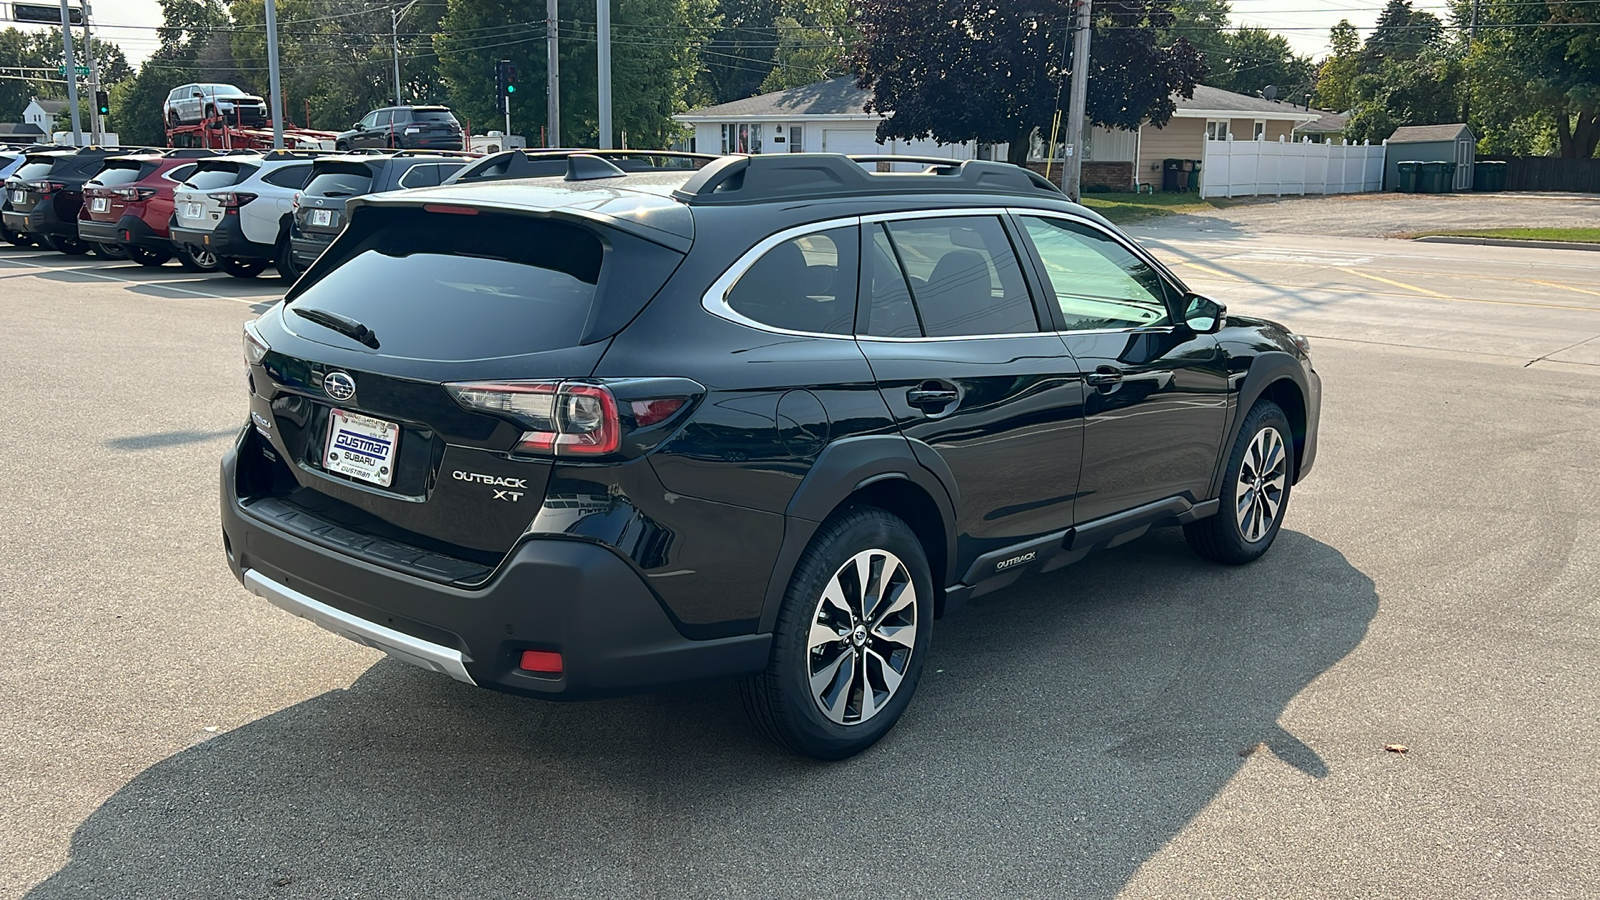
(834, 97)
(1427, 134)
(51, 106)
(840, 98)
(1328, 123)
(27, 129)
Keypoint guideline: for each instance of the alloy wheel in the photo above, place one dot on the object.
(205, 259)
(1262, 477)
(863, 634)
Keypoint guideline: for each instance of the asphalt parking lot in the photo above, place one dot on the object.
(1143, 724)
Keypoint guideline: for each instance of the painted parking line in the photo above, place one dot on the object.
(145, 284)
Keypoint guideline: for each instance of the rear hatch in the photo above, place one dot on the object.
(106, 196)
(322, 204)
(408, 385)
(433, 125)
(200, 202)
(32, 182)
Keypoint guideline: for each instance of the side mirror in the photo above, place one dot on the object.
(198, 96)
(1204, 315)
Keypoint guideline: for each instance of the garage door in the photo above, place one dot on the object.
(850, 140)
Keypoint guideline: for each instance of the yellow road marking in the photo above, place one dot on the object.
(1211, 271)
(1565, 287)
(1390, 281)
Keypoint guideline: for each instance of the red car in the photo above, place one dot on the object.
(129, 203)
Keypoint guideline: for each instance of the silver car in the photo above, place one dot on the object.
(190, 103)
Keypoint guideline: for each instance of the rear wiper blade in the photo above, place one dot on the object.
(345, 325)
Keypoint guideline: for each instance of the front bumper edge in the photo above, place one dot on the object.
(404, 647)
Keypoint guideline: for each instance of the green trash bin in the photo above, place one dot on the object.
(1431, 177)
(1489, 175)
(1194, 176)
(1406, 182)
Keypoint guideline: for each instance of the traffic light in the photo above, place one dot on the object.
(500, 79)
(511, 76)
(102, 103)
(505, 84)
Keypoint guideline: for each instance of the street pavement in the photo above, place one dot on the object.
(1141, 725)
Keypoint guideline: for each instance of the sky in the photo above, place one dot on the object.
(1304, 23)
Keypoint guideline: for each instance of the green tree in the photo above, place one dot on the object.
(136, 102)
(1402, 33)
(1536, 66)
(993, 71)
(815, 40)
(1204, 24)
(1255, 58)
(737, 54)
(1336, 79)
(26, 49)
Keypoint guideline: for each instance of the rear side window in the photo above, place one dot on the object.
(180, 174)
(964, 276)
(115, 174)
(33, 170)
(291, 177)
(218, 175)
(433, 115)
(426, 175)
(455, 287)
(341, 182)
(807, 283)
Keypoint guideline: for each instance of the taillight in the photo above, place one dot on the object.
(232, 200)
(559, 418)
(255, 346)
(134, 193)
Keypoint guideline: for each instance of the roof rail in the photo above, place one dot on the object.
(472, 154)
(749, 179)
(294, 154)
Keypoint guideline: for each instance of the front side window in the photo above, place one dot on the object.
(806, 284)
(370, 121)
(1098, 283)
(964, 276)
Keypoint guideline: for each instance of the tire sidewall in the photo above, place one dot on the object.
(863, 529)
(1265, 414)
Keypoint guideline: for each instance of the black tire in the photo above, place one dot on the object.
(781, 701)
(285, 262)
(196, 259)
(68, 245)
(341, 146)
(172, 119)
(147, 256)
(16, 238)
(109, 251)
(243, 268)
(1236, 535)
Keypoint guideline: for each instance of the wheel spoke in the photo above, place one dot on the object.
(833, 696)
(869, 697)
(822, 635)
(863, 583)
(886, 673)
(902, 596)
(834, 596)
(904, 635)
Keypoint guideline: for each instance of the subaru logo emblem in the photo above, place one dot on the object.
(339, 386)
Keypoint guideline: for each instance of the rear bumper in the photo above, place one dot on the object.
(226, 240)
(42, 219)
(575, 597)
(306, 248)
(99, 232)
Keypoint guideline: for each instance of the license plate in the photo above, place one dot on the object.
(19, 196)
(99, 204)
(322, 217)
(191, 210)
(361, 447)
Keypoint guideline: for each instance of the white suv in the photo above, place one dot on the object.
(234, 211)
(197, 102)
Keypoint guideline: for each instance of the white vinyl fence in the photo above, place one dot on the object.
(1250, 168)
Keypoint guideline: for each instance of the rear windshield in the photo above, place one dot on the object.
(342, 183)
(36, 169)
(433, 115)
(218, 175)
(122, 173)
(457, 287)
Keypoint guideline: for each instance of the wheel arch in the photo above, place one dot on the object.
(1278, 377)
(874, 470)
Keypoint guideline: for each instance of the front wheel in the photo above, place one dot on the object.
(198, 259)
(850, 638)
(147, 256)
(243, 268)
(1255, 490)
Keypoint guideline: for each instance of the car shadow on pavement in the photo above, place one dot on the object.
(1064, 732)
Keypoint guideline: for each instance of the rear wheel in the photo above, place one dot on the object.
(243, 268)
(285, 261)
(1255, 490)
(68, 245)
(16, 237)
(198, 259)
(850, 638)
(146, 256)
(341, 146)
(110, 251)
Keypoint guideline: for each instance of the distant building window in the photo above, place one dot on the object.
(1216, 129)
(741, 139)
(795, 144)
(1261, 129)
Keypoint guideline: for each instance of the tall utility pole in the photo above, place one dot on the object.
(96, 127)
(72, 73)
(602, 23)
(394, 23)
(552, 58)
(272, 74)
(1072, 166)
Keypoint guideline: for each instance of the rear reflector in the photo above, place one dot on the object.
(545, 662)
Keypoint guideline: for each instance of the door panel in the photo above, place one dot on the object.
(1001, 406)
(1156, 398)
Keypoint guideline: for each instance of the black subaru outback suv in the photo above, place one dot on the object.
(584, 435)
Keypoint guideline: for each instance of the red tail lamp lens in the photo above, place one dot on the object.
(652, 412)
(545, 662)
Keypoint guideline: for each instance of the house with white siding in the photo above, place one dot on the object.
(830, 116)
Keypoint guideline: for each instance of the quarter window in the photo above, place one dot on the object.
(291, 177)
(1098, 283)
(964, 276)
(804, 284)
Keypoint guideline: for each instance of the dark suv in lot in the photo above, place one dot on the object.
(44, 196)
(336, 180)
(577, 436)
(405, 128)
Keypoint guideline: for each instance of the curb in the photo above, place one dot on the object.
(1505, 242)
